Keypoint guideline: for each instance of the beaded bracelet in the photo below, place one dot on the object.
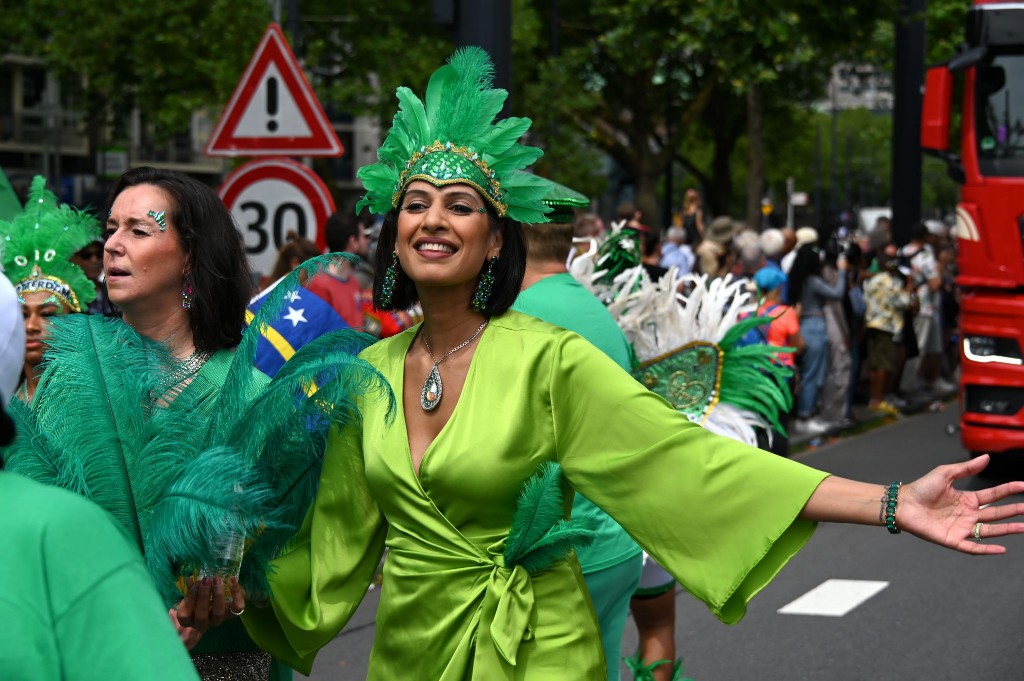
(892, 493)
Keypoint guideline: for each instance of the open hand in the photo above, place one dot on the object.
(932, 509)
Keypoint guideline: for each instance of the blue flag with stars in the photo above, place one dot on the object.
(306, 316)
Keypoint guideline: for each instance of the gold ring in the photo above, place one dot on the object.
(236, 614)
(977, 531)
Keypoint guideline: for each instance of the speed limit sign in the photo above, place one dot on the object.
(271, 197)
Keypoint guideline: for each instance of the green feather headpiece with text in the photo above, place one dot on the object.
(453, 139)
(37, 244)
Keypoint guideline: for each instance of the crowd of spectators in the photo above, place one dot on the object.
(872, 325)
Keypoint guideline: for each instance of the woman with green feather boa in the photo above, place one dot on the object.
(163, 420)
(501, 416)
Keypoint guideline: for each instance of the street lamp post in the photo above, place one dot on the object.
(906, 116)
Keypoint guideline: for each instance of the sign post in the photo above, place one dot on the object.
(274, 112)
(269, 198)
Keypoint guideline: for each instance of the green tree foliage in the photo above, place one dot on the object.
(721, 88)
(167, 58)
(359, 53)
(642, 78)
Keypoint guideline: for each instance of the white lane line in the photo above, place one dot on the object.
(834, 597)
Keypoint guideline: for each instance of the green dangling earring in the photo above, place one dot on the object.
(484, 287)
(387, 289)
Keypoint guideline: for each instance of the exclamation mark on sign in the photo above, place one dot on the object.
(272, 103)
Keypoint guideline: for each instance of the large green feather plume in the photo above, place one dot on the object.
(539, 535)
(168, 465)
(746, 369)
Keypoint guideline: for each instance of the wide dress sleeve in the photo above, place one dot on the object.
(321, 577)
(719, 515)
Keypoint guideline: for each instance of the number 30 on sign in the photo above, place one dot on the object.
(272, 197)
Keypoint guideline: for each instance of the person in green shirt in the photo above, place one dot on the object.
(612, 564)
(80, 593)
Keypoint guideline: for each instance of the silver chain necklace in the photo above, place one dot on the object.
(187, 369)
(177, 379)
(430, 396)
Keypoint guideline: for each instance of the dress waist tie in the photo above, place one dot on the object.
(504, 607)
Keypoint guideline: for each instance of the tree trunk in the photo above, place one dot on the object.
(646, 183)
(755, 155)
(722, 119)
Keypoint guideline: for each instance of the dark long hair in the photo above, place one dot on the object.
(508, 271)
(220, 275)
(806, 264)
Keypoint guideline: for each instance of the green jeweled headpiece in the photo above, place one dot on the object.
(564, 202)
(453, 140)
(35, 247)
(618, 253)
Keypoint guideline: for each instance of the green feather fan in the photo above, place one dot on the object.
(539, 535)
(215, 496)
(279, 428)
(168, 465)
(289, 449)
(745, 371)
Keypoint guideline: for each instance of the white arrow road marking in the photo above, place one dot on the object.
(834, 597)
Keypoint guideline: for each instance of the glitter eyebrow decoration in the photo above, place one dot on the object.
(160, 217)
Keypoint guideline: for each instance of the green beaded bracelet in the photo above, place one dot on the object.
(892, 494)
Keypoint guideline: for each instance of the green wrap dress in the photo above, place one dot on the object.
(719, 515)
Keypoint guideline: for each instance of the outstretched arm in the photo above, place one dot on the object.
(929, 507)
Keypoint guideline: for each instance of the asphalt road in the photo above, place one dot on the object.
(939, 616)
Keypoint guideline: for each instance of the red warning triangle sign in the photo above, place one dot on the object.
(273, 110)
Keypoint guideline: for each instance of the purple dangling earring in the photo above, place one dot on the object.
(186, 293)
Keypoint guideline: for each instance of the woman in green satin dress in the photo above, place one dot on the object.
(486, 396)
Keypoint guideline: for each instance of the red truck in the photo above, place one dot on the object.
(989, 218)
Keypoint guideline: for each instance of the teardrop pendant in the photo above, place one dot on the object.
(430, 396)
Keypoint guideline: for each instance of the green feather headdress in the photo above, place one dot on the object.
(36, 245)
(452, 139)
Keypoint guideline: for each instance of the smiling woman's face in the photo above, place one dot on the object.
(444, 235)
(145, 266)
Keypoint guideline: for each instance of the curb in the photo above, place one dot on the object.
(867, 421)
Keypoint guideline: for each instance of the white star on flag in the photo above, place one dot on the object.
(292, 296)
(295, 316)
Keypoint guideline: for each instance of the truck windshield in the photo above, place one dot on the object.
(999, 98)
